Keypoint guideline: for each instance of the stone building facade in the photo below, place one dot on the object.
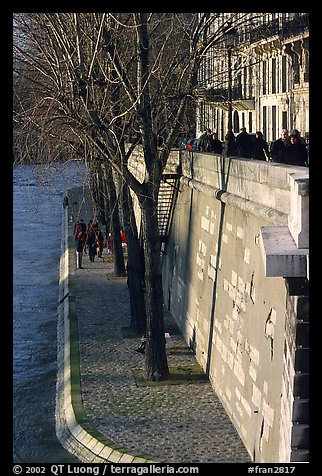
(269, 74)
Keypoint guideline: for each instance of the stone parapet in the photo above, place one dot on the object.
(266, 183)
(280, 254)
(277, 192)
(298, 219)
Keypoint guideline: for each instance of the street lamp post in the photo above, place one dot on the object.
(230, 103)
(230, 40)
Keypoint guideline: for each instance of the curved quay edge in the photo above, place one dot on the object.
(72, 430)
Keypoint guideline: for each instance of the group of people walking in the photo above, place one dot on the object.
(289, 149)
(89, 238)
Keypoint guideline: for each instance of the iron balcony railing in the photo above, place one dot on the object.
(284, 28)
(221, 94)
(295, 26)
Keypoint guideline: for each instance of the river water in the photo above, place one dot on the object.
(37, 215)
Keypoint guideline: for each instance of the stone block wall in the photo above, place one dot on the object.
(232, 314)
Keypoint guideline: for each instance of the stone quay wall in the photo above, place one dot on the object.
(235, 279)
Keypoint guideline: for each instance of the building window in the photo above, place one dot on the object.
(208, 117)
(264, 70)
(273, 122)
(273, 75)
(250, 82)
(201, 123)
(306, 66)
(284, 120)
(239, 83)
(264, 121)
(236, 122)
(278, 68)
(296, 68)
(250, 122)
(217, 122)
(283, 74)
(245, 83)
(222, 126)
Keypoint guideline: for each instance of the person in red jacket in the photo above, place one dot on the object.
(80, 225)
(123, 237)
(80, 244)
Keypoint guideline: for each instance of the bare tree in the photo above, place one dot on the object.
(98, 78)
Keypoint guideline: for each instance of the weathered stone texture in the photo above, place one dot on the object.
(233, 315)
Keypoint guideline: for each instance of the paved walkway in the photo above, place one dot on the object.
(179, 423)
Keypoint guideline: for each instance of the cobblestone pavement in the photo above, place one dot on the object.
(178, 423)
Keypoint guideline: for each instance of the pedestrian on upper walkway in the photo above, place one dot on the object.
(205, 142)
(191, 144)
(279, 147)
(244, 144)
(302, 139)
(296, 152)
(260, 147)
(229, 148)
(217, 146)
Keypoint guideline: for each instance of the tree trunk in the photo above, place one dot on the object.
(95, 185)
(135, 265)
(119, 265)
(155, 352)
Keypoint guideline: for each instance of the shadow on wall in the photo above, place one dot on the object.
(184, 242)
(187, 272)
(224, 177)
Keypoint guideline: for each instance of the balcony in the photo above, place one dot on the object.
(219, 97)
(264, 31)
(295, 27)
(283, 28)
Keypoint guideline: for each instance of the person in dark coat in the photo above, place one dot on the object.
(91, 243)
(204, 143)
(216, 144)
(78, 227)
(296, 153)
(244, 144)
(80, 244)
(230, 148)
(260, 147)
(279, 147)
(99, 243)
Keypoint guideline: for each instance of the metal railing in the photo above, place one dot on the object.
(284, 28)
(221, 94)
